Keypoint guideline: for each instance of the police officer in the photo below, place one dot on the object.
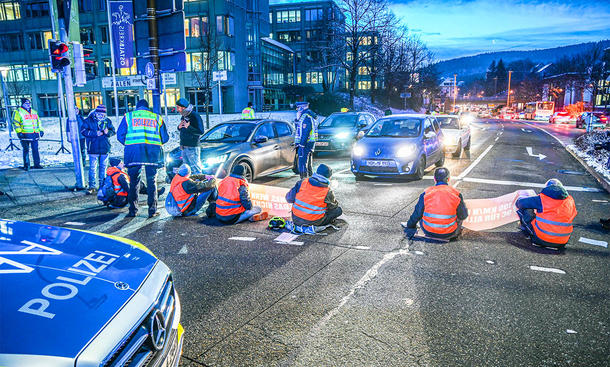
(440, 209)
(248, 112)
(547, 218)
(143, 133)
(28, 127)
(305, 137)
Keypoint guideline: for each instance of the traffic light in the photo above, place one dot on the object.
(58, 52)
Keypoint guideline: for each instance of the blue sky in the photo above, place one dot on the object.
(468, 27)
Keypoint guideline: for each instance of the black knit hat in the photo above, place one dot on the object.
(183, 102)
(114, 161)
(324, 170)
(142, 103)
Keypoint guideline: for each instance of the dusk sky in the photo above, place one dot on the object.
(468, 27)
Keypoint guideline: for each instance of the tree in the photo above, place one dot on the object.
(502, 76)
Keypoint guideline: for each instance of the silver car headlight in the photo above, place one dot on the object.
(358, 150)
(212, 161)
(342, 135)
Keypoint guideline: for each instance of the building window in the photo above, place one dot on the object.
(270, 17)
(194, 61)
(39, 40)
(85, 6)
(133, 70)
(299, 78)
(313, 15)
(195, 26)
(107, 67)
(86, 36)
(105, 34)
(87, 101)
(364, 85)
(11, 42)
(226, 60)
(225, 24)
(18, 73)
(363, 70)
(43, 72)
(48, 105)
(37, 9)
(314, 78)
(9, 10)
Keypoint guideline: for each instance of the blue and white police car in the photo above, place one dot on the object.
(76, 298)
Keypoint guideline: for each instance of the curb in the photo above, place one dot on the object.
(601, 179)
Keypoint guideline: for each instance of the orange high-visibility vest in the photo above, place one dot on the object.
(309, 202)
(228, 202)
(440, 209)
(183, 199)
(554, 224)
(115, 173)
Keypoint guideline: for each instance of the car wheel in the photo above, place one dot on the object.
(248, 174)
(441, 161)
(419, 173)
(467, 147)
(458, 151)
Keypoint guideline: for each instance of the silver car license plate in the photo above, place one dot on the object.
(322, 144)
(380, 163)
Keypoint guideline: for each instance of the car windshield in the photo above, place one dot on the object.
(340, 120)
(229, 133)
(396, 127)
(448, 122)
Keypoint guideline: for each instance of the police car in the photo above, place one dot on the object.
(76, 298)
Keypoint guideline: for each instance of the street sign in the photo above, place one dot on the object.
(219, 75)
(150, 70)
(405, 95)
(131, 81)
(150, 84)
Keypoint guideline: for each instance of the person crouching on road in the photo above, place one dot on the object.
(120, 185)
(440, 210)
(313, 201)
(550, 224)
(233, 204)
(191, 129)
(97, 130)
(28, 127)
(188, 193)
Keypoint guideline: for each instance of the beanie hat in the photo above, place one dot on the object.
(23, 100)
(101, 108)
(142, 103)
(184, 170)
(114, 161)
(553, 182)
(238, 170)
(182, 102)
(324, 170)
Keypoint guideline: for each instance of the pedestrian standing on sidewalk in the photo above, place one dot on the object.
(28, 127)
(97, 130)
(191, 129)
(81, 138)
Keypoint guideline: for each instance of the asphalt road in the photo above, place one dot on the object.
(361, 296)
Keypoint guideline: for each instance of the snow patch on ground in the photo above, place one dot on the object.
(13, 158)
(584, 147)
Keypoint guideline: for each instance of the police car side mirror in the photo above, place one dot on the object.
(260, 139)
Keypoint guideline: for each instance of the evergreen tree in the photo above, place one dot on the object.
(489, 79)
(502, 76)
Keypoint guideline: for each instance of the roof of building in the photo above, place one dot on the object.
(276, 43)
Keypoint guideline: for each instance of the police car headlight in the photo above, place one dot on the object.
(211, 161)
(342, 135)
(358, 151)
(406, 151)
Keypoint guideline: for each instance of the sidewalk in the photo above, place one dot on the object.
(36, 185)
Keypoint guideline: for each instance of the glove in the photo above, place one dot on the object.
(410, 232)
(41, 133)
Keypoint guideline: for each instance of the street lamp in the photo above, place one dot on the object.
(508, 90)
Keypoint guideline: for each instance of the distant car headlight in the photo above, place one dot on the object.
(358, 151)
(211, 161)
(406, 151)
(342, 135)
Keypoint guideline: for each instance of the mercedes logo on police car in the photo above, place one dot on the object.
(156, 330)
(121, 285)
(378, 151)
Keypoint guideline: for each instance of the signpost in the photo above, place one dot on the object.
(219, 76)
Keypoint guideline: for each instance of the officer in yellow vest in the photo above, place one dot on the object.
(143, 133)
(26, 124)
(248, 112)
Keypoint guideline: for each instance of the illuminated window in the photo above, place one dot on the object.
(10, 11)
(364, 84)
(363, 70)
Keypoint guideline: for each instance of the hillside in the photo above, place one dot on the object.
(472, 65)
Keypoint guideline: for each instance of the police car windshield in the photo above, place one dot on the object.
(448, 122)
(229, 133)
(342, 120)
(396, 127)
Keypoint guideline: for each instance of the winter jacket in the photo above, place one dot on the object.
(189, 136)
(534, 202)
(97, 144)
(319, 181)
(197, 184)
(306, 130)
(244, 198)
(143, 153)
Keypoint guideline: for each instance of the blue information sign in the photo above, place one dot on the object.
(150, 70)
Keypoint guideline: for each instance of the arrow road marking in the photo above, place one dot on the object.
(540, 156)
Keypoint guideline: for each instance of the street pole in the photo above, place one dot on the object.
(508, 93)
(60, 90)
(112, 65)
(9, 123)
(219, 99)
(153, 46)
(454, 90)
(67, 71)
(164, 96)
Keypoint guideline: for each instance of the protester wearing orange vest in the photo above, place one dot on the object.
(313, 201)
(440, 209)
(120, 183)
(233, 203)
(551, 223)
(188, 194)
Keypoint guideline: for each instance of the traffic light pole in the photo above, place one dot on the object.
(153, 46)
(71, 107)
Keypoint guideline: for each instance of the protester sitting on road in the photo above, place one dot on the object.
(440, 210)
(97, 130)
(115, 188)
(550, 225)
(313, 200)
(188, 193)
(233, 204)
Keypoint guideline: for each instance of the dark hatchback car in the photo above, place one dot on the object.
(339, 130)
(262, 146)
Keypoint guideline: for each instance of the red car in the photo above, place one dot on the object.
(561, 117)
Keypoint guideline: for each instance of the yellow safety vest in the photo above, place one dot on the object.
(26, 122)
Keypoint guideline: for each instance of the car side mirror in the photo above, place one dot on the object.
(261, 139)
(360, 135)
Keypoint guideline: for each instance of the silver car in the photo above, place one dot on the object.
(263, 147)
(456, 132)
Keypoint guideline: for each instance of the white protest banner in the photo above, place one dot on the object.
(494, 212)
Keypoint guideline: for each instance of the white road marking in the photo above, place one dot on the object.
(382, 184)
(490, 262)
(570, 331)
(526, 130)
(292, 243)
(531, 154)
(340, 172)
(286, 237)
(74, 224)
(548, 270)
(418, 253)
(183, 250)
(408, 301)
(362, 247)
(428, 178)
(497, 138)
(599, 201)
(553, 136)
(105, 226)
(473, 164)
(593, 242)
(527, 184)
(248, 239)
(138, 223)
